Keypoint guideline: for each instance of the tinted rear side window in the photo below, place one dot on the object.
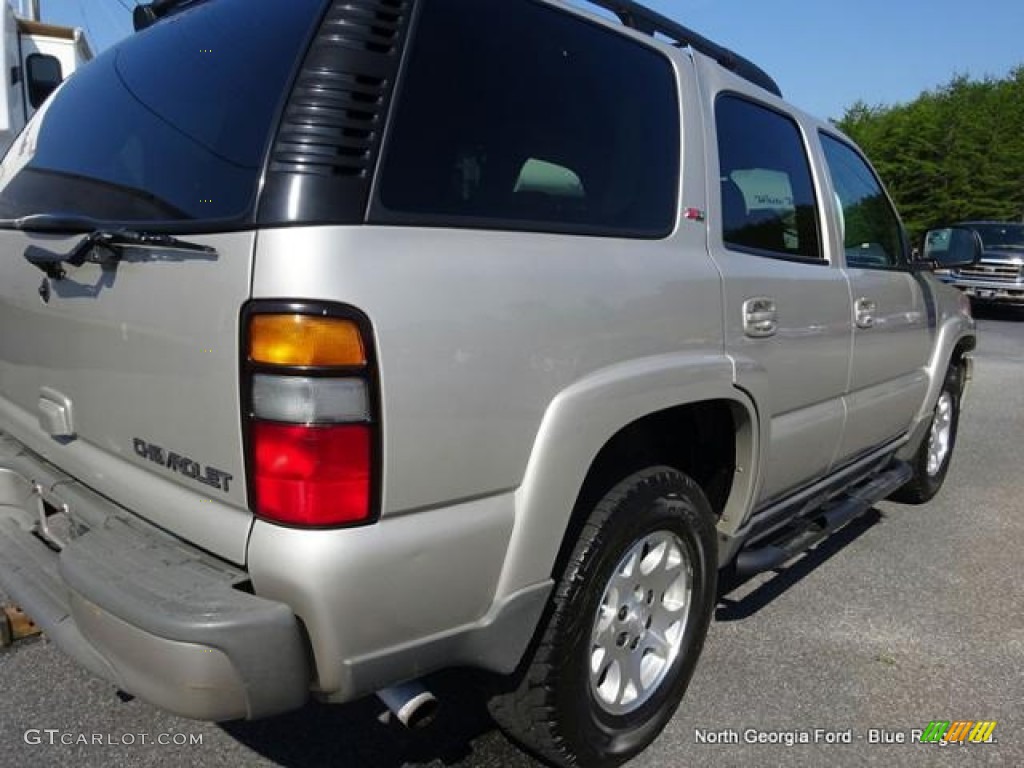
(514, 115)
(768, 203)
(872, 232)
(172, 124)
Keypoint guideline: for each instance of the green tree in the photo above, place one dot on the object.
(954, 153)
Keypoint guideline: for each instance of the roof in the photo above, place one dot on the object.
(72, 34)
(50, 30)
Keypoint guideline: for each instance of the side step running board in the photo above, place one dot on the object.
(803, 533)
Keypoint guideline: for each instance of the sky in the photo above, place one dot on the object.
(828, 54)
(825, 54)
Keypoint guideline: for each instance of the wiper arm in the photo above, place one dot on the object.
(100, 246)
(54, 222)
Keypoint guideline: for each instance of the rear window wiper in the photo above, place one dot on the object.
(100, 245)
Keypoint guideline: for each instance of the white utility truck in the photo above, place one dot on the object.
(37, 57)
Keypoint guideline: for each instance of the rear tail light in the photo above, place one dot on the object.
(304, 400)
(308, 475)
(312, 435)
(305, 340)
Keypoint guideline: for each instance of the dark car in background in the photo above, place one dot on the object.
(999, 275)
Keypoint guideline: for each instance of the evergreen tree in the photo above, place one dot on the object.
(951, 154)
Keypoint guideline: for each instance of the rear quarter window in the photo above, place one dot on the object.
(515, 115)
(768, 202)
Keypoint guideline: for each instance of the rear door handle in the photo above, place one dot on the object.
(760, 317)
(864, 312)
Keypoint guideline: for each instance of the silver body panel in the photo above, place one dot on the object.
(954, 327)
(147, 351)
(888, 376)
(479, 332)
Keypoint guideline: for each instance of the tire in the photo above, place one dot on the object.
(931, 462)
(648, 628)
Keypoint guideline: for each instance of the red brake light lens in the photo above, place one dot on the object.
(312, 475)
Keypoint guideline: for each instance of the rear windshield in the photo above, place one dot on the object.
(170, 125)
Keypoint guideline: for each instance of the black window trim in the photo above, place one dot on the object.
(378, 214)
(346, 207)
(766, 254)
(822, 213)
(903, 262)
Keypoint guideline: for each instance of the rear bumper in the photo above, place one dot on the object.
(139, 608)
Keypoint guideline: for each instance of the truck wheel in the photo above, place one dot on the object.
(931, 462)
(626, 625)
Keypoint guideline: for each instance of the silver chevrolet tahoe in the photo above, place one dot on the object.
(343, 341)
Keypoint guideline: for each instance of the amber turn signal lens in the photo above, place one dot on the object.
(305, 340)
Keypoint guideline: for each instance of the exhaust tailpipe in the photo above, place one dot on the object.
(411, 703)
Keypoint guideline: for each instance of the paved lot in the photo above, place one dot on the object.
(909, 615)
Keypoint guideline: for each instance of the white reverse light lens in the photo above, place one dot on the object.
(306, 400)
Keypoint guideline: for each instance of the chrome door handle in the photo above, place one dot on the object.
(760, 317)
(864, 313)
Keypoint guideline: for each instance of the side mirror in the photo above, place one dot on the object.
(950, 247)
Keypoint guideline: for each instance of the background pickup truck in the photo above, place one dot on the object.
(998, 276)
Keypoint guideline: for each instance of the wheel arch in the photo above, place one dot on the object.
(955, 340)
(679, 411)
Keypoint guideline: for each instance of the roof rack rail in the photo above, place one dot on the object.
(643, 19)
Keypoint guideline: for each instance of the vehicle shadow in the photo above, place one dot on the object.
(355, 735)
(735, 603)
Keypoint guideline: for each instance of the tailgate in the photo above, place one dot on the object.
(126, 377)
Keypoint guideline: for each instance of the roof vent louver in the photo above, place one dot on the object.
(322, 159)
